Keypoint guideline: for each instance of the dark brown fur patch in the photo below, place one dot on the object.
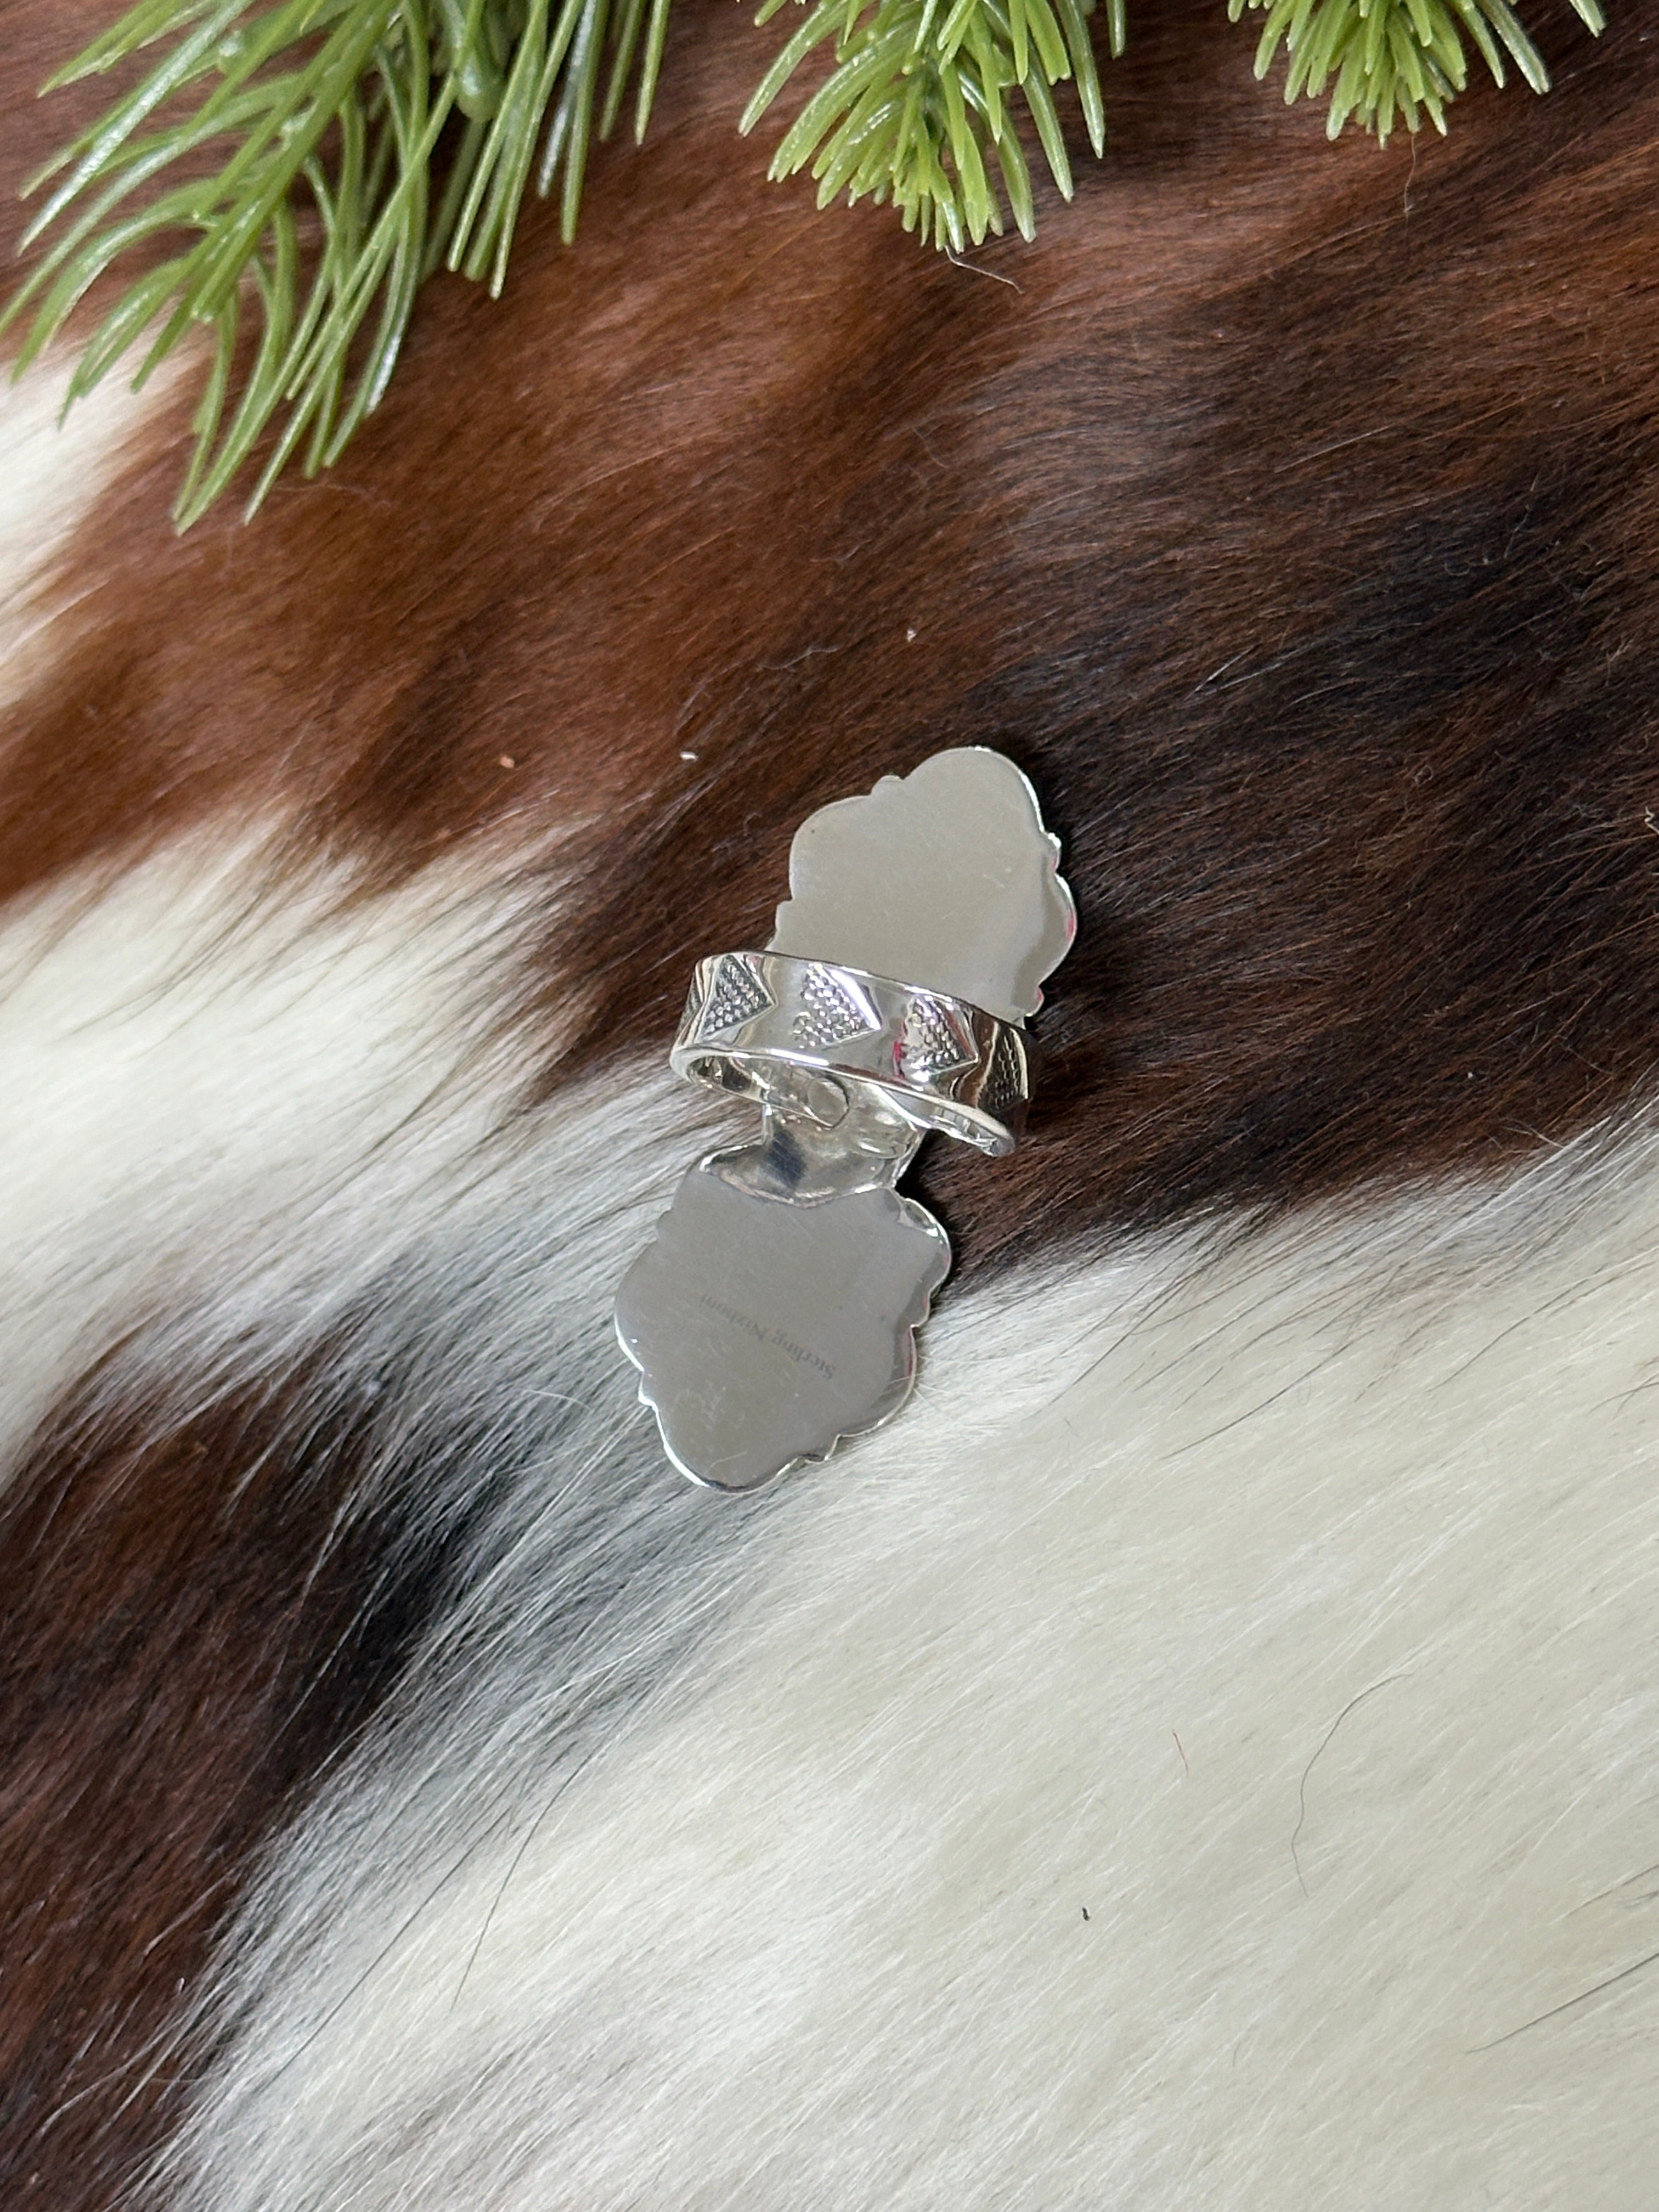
(195, 1620)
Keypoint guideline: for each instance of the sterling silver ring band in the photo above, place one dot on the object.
(803, 1035)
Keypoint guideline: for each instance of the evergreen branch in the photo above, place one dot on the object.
(1394, 60)
(914, 108)
(301, 251)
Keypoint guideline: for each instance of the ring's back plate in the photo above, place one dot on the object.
(765, 1330)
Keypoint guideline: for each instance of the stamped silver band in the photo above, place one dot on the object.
(800, 1035)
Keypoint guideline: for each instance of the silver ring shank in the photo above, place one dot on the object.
(805, 1035)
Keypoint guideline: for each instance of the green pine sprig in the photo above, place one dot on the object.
(1390, 61)
(916, 107)
(287, 175)
(300, 241)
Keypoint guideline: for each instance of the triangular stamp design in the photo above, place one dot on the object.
(736, 996)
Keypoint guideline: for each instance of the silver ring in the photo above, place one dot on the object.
(800, 1036)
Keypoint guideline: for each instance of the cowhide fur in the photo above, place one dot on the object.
(1201, 1757)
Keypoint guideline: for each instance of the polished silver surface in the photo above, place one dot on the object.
(766, 1328)
(945, 877)
(775, 1311)
(805, 1037)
